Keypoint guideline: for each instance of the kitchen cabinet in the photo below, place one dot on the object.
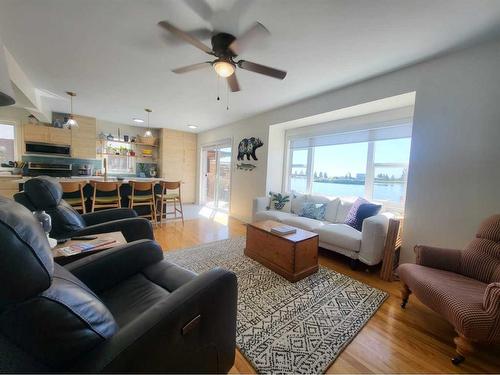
(9, 186)
(178, 161)
(46, 134)
(83, 138)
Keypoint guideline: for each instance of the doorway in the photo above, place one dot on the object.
(216, 176)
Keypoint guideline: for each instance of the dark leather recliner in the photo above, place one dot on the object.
(45, 193)
(121, 310)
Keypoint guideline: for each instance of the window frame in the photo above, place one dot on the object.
(17, 133)
(371, 166)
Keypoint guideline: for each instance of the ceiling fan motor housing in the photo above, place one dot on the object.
(221, 43)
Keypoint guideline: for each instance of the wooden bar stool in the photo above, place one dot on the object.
(111, 197)
(170, 193)
(145, 197)
(70, 188)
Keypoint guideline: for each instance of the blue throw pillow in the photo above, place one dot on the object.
(313, 211)
(360, 210)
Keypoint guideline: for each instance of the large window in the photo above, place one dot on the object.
(371, 164)
(7, 143)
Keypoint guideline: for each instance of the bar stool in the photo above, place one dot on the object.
(108, 199)
(70, 188)
(145, 197)
(174, 196)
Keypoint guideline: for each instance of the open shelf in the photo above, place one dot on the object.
(127, 143)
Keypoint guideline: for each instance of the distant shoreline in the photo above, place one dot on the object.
(355, 182)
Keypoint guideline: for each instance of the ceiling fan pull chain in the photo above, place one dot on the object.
(218, 80)
(227, 97)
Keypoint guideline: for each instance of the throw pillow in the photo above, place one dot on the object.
(279, 202)
(313, 211)
(360, 210)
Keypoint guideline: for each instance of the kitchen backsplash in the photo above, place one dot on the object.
(95, 163)
(75, 163)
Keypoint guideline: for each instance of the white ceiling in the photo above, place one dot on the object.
(112, 53)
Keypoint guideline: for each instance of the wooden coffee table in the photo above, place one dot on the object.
(293, 256)
(65, 259)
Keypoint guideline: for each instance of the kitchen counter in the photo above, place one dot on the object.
(87, 179)
(125, 188)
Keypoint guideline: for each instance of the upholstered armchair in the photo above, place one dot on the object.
(461, 285)
(45, 193)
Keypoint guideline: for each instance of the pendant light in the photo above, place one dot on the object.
(71, 123)
(148, 132)
(6, 91)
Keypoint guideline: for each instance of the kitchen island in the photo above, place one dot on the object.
(125, 188)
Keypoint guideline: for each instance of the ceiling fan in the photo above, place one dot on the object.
(225, 47)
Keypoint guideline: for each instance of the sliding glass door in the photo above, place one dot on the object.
(216, 176)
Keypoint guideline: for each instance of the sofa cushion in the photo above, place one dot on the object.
(360, 210)
(340, 235)
(303, 223)
(331, 210)
(458, 298)
(297, 202)
(318, 199)
(274, 203)
(272, 215)
(343, 209)
(313, 211)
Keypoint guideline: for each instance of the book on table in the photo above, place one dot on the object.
(78, 248)
(283, 230)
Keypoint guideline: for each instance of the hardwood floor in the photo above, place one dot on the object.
(414, 340)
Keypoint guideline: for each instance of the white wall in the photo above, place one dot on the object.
(454, 174)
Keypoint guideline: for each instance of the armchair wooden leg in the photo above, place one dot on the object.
(405, 295)
(464, 348)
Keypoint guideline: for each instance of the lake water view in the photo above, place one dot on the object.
(393, 192)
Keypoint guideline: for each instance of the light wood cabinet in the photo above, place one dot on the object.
(46, 134)
(178, 160)
(36, 133)
(59, 136)
(9, 186)
(83, 144)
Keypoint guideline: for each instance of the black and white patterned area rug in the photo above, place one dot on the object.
(287, 327)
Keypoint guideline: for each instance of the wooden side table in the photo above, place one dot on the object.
(392, 249)
(62, 259)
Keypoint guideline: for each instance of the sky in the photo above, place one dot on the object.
(339, 160)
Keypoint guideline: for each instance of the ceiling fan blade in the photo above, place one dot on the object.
(256, 31)
(262, 69)
(190, 68)
(202, 34)
(185, 36)
(232, 81)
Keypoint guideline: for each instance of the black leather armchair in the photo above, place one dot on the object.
(45, 193)
(121, 310)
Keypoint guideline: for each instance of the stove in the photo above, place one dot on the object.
(50, 169)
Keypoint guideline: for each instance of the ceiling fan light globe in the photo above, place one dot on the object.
(224, 68)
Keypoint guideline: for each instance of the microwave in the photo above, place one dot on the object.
(48, 149)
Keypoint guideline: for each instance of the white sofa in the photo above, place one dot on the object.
(366, 246)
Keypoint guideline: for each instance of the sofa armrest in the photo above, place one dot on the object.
(102, 270)
(99, 217)
(133, 229)
(373, 235)
(259, 204)
(161, 341)
(439, 258)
